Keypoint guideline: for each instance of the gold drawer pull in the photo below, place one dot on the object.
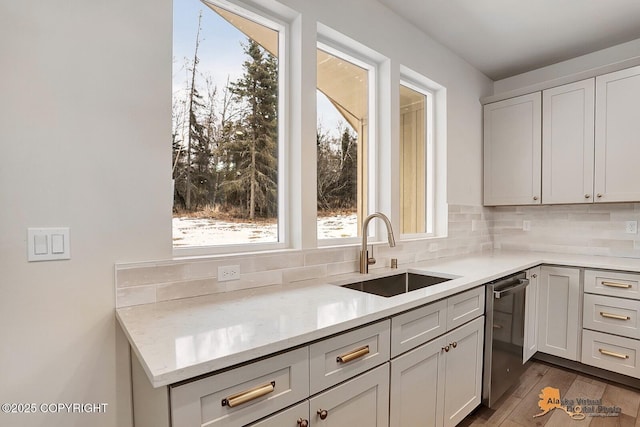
(249, 395)
(617, 285)
(611, 353)
(352, 355)
(614, 316)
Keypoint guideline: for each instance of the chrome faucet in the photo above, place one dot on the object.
(365, 261)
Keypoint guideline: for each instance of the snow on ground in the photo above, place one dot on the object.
(207, 232)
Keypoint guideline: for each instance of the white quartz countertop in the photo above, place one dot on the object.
(181, 339)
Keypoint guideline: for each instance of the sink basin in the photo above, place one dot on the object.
(395, 285)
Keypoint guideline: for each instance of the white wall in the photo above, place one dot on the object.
(84, 120)
(84, 132)
(583, 67)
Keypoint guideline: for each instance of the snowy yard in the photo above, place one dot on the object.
(206, 232)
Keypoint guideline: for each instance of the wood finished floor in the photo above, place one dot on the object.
(518, 406)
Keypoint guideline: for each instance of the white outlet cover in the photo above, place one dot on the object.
(631, 227)
(228, 272)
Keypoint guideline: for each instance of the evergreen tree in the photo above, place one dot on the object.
(255, 139)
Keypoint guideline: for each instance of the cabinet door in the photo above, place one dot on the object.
(559, 311)
(567, 143)
(531, 315)
(417, 386)
(512, 146)
(295, 416)
(362, 401)
(617, 129)
(463, 371)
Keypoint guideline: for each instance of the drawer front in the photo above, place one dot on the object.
(416, 327)
(242, 395)
(339, 358)
(464, 307)
(617, 354)
(625, 285)
(613, 315)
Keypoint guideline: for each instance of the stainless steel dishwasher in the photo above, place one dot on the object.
(504, 336)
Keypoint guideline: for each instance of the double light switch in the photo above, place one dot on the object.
(47, 244)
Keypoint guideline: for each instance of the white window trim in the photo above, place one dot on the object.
(282, 24)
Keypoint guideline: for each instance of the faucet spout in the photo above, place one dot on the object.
(365, 261)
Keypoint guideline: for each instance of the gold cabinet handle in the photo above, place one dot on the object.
(352, 355)
(303, 423)
(454, 344)
(599, 196)
(614, 316)
(587, 196)
(535, 197)
(445, 348)
(322, 413)
(617, 285)
(249, 395)
(611, 353)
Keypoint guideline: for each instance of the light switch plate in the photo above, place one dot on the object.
(631, 227)
(48, 244)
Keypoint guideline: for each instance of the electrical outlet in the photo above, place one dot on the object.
(228, 272)
(526, 225)
(631, 227)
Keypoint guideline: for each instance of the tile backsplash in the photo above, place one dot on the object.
(596, 229)
(581, 229)
(147, 282)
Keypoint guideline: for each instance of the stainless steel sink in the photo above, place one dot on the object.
(395, 285)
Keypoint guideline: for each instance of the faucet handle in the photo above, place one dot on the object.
(371, 260)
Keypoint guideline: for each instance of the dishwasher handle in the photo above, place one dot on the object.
(517, 286)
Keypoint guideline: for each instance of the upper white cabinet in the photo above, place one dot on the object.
(617, 136)
(567, 143)
(512, 159)
(577, 145)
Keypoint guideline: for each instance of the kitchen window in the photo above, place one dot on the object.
(422, 162)
(228, 136)
(345, 102)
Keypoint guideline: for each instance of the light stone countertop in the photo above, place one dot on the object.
(181, 339)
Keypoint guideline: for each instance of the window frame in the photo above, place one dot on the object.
(436, 208)
(429, 163)
(282, 25)
(342, 49)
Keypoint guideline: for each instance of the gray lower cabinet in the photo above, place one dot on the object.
(559, 311)
(440, 382)
(342, 380)
(361, 401)
(611, 321)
